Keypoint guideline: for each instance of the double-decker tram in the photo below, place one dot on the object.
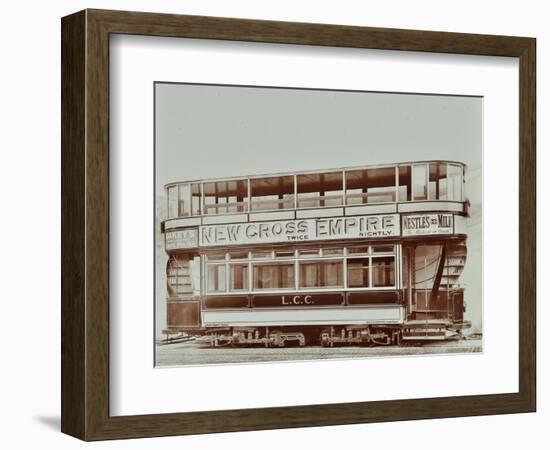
(361, 255)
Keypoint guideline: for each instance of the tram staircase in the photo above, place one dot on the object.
(435, 308)
(185, 278)
(184, 282)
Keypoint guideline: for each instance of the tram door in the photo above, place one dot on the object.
(426, 291)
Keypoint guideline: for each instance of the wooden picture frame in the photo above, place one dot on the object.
(85, 224)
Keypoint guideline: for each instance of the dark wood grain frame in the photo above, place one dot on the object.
(85, 224)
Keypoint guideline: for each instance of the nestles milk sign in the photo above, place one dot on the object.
(422, 224)
(370, 227)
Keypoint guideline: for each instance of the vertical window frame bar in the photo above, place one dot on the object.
(227, 274)
(296, 271)
(167, 202)
(344, 193)
(250, 273)
(413, 193)
(178, 196)
(248, 197)
(295, 177)
(371, 274)
(463, 185)
(201, 203)
(396, 171)
(428, 197)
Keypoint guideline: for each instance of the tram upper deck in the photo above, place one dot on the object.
(355, 192)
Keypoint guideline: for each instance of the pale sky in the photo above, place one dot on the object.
(250, 130)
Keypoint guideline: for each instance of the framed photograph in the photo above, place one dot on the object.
(273, 225)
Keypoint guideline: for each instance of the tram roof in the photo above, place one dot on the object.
(313, 172)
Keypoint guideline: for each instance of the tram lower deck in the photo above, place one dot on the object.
(357, 293)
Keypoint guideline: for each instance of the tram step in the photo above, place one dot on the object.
(422, 335)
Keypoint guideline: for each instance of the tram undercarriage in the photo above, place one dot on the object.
(414, 332)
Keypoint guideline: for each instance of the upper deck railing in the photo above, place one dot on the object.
(403, 182)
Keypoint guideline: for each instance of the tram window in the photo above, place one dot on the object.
(419, 182)
(307, 252)
(433, 174)
(320, 189)
(272, 193)
(172, 202)
(358, 272)
(437, 187)
(184, 200)
(216, 257)
(383, 248)
(216, 278)
(225, 197)
(383, 271)
(238, 274)
(261, 255)
(370, 186)
(443, 182)
(284, 253)
(454, 174)
(238, 255)
(358, 250)
(209, 203)
(189, 198)
(195, 199)
(405, 183)
(321, 274)
(273, 276)
(333, 251)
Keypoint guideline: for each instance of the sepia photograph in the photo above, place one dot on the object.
(278, 221)
(297, 224)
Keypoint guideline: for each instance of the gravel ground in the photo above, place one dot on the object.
(198, 351)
